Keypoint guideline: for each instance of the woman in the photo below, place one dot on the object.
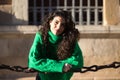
(55, 50)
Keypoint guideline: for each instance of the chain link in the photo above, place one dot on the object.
(92, 68)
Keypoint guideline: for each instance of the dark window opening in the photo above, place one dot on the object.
(84, 12)
(5, 2)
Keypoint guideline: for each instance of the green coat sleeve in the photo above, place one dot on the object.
(76, 60)
(38, 61)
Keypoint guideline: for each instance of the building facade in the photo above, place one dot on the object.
(97, 20)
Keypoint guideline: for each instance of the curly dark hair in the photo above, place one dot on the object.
(70, 34)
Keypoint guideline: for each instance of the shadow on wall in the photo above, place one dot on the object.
(7, 19)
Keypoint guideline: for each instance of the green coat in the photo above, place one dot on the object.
(49, 67)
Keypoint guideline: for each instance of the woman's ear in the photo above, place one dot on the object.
(50, 21)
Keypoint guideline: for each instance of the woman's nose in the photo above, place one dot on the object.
(58, 26)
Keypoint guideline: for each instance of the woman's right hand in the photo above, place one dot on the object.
(67, 67)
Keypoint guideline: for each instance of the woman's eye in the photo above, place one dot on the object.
(56, 22)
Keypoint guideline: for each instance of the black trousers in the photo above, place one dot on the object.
(37, 77)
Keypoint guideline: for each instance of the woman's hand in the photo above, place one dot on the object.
(67, 67)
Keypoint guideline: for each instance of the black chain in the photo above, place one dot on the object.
(93, 68)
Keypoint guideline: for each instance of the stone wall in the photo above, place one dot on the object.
(14, 12)
(15, 42)
(100, 46)
(5, 14)
(111, 12)
(20, 12)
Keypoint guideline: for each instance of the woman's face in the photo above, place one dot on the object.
(56, 25)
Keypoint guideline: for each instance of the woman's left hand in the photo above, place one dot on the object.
(67, 67)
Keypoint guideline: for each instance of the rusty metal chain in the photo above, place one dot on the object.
(92, 68)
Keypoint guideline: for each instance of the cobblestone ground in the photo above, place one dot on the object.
(26, 78)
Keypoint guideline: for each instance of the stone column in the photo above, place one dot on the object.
(110, 12)
(20, 12)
